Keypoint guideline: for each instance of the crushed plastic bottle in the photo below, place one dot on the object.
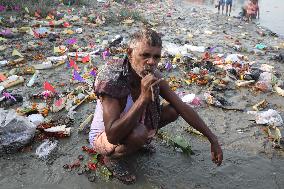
(33, 79)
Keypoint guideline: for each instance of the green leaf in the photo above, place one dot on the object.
(178, 142)
(104, 173)
(95, 158)
(181, 143)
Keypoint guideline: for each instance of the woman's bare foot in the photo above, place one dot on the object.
(119, 170)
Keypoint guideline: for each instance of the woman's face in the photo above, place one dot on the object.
(144, 58)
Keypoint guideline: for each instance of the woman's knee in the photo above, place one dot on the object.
(170, 113)
(174, 114)
(138, 136)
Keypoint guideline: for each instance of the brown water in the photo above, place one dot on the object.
(271, 12)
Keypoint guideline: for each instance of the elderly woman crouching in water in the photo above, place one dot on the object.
(128, 112)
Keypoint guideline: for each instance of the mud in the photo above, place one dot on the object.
(249, 159)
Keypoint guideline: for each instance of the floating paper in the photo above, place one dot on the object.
(86, 59)
(16, 53)
(48, 86)
(77, 76)
(71, 41)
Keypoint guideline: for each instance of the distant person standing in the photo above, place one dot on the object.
(219, 4)
(252, 10)
(228, 4)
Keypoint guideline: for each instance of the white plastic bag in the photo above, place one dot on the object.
(15, 131)
(233, 58)
(46, 148)
(191, 99)
(36, 119)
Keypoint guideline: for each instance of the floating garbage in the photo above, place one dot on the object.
(276, 135)
(174, 49)
(261, 46)
(191, 99)
(36, 119)
(177, 142)
(33, 79)
(231, 58)
(7, 100)
(269, 117)
(60, 131)
(12, 81)
(3, 63)
(241, 83)
(260, 105)
(15, 131)
(83, 125)
(279, 90)
(266, 68)
(46, 148)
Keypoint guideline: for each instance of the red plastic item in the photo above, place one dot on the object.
(92, 166)
(88, 150)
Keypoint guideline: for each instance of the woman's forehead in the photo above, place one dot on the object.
(144, 46)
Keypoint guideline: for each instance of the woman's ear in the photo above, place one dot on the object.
(129, 52)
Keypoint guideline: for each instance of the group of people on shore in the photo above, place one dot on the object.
(250, 9)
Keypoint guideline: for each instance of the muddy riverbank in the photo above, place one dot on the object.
(249, 159)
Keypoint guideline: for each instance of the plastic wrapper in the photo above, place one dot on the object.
(174, 49)
(233, 58)
(192, 99)
(36, 119)
(263, 86)
(15, 131)
(46, 148)
(269, 117)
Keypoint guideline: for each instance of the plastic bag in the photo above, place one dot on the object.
(46, 148)
(231, 58)
(15, 131)
(263, 86)
(191, 99)
(265, 76)
(174, 49)
(269, 117)
(266, 80)
(36, 119)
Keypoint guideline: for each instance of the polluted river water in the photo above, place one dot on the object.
(271, 12)
(249, 161)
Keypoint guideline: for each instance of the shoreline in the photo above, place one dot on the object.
(235, 12)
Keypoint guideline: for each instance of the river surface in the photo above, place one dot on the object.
(271, 12)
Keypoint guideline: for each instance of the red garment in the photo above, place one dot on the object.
(252, 8)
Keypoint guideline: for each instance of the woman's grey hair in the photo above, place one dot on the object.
(147, 35)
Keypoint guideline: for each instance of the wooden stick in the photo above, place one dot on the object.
(85, 123)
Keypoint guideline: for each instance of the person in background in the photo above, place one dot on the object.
(252, 10)
(219, 4)
(228, 4)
